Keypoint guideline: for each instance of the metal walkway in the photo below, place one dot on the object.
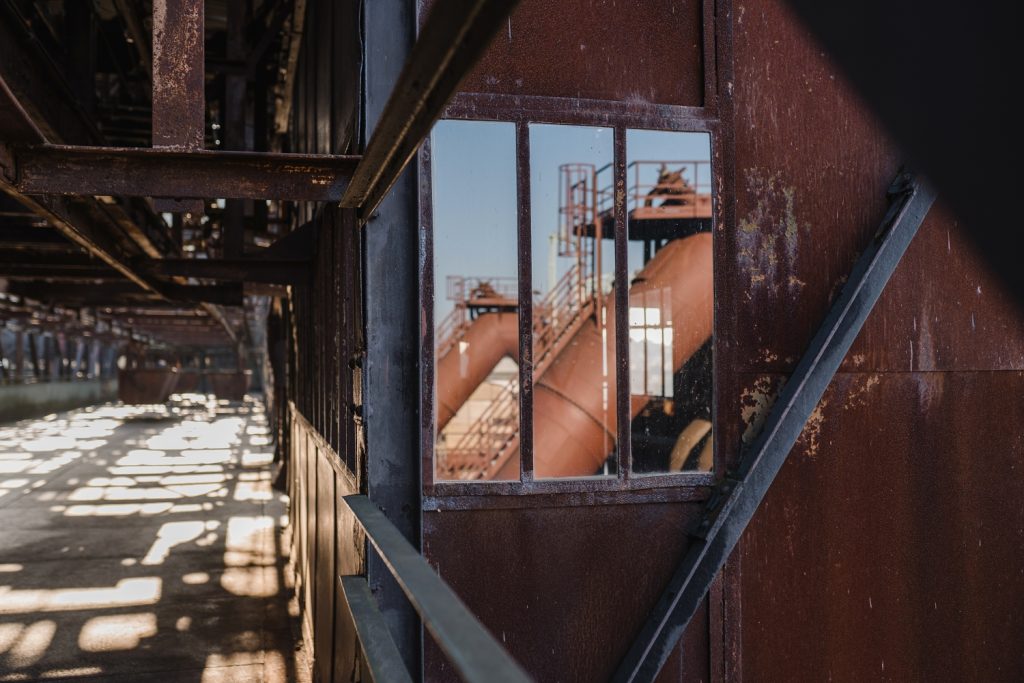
(144, 545)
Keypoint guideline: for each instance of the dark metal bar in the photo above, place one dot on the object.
(381, 657)
(622, 398)
(474, 653)
(454, 36)
(525, 260)
(57, 169)
(736, 498)
(235, 270)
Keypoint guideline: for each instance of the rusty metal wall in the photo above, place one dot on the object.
(565, 580)
(650, 52)
(564, 587)
(890, 546)
(325, 346)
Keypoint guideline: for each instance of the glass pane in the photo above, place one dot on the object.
(668, 185)
(476, 320)
(571, 178)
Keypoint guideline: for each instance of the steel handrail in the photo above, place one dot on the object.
(476, 655)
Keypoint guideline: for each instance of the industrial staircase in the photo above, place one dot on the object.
(494, 436)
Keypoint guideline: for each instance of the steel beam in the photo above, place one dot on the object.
(234, 270)
(452, 40)
(736, 498)
(142, 172)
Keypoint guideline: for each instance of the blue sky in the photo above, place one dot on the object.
(474, 192)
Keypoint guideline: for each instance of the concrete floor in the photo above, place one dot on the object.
(143, 544)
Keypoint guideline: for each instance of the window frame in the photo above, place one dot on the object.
(625, 485)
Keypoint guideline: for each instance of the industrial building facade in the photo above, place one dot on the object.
(601, 340)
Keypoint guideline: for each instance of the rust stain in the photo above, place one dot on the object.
(810, 437)
(858, 395)
(769, 235)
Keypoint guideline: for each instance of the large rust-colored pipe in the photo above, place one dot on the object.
(574, 419)
(490, 337)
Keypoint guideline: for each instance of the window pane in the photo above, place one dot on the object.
(476, 321)
(668, 182)
(571, 179)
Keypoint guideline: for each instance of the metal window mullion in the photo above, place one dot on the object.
(624, 450)
(428, 355)
(525, 271)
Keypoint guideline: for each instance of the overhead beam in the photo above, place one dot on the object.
(143, 172)
(451, 42)
(234, 270)
(736, 498)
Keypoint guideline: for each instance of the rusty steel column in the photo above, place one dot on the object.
(179, 81)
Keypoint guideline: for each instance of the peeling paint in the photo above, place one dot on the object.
(756, 403)
(769, 235)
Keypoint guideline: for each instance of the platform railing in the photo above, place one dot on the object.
(451, 329)
(473, 455)
(484, 447)
(475, 654)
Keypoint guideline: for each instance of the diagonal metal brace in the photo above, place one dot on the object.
(736, 498)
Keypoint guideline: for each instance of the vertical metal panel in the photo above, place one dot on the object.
(325, 576)
(894, 520)
(309, 552)
(563, 588)
(391, 384)
(910, 535)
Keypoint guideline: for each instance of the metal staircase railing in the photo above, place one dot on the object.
(451, 329)
(494, 435)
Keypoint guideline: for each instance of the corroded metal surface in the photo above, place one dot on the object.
(179, 51)
(53, 169)
(582, 49)
(565, 588)
(889, 544)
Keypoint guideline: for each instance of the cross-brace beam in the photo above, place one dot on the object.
(454, 37)
(173, 173)
(736, 498)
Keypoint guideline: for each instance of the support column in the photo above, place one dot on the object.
(391, 389)
(179, 83)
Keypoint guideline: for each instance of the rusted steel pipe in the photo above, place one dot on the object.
(489, 338)
(574, 400)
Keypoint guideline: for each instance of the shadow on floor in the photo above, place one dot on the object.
(144, 544)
